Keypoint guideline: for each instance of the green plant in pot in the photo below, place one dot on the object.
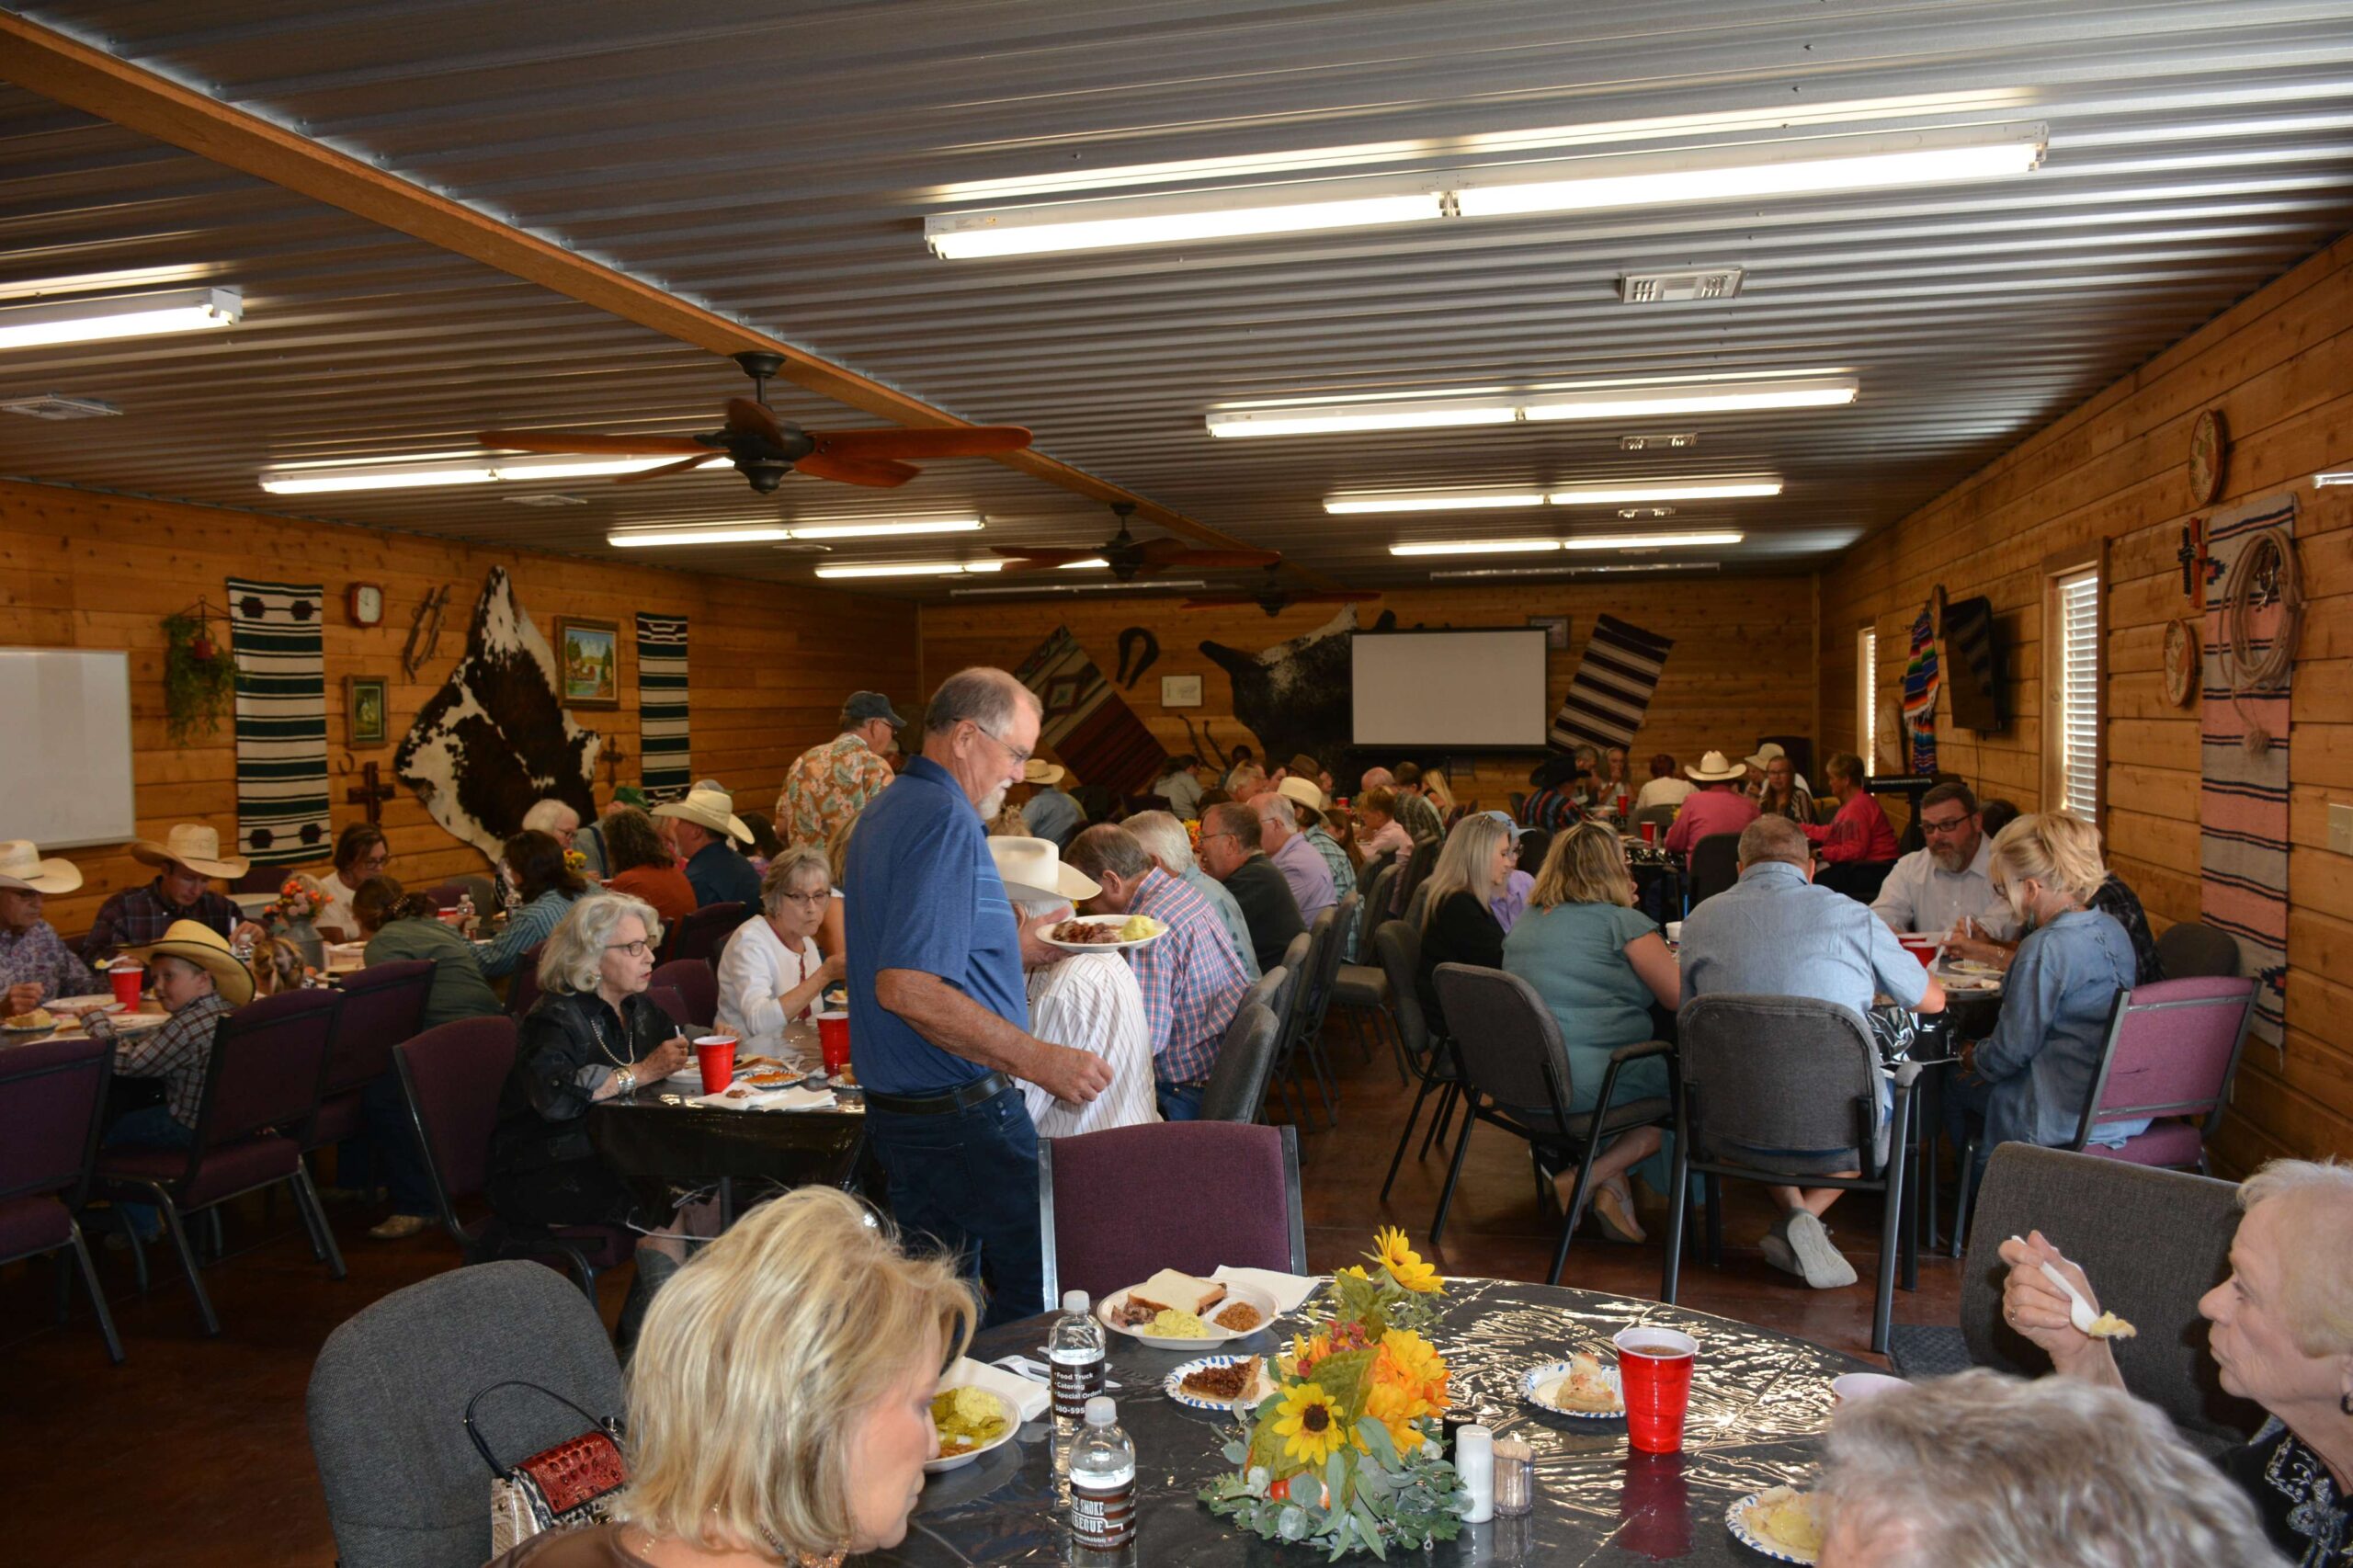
(199, 677)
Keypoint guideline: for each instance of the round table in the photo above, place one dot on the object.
(1758, 1401)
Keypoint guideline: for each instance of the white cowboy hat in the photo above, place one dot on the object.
(208, 949)
(1036, 772)
(22, 868)
(1303, 791)
(1034, 864)
(1765, 754)
(1713, 769)
(195, 846)
(711, 809)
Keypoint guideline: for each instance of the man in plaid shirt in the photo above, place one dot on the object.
(1192, 983)
(186, 862)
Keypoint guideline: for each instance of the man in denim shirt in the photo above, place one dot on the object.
(1775, 933)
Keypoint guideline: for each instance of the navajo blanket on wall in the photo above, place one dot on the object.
(665, 767)
(281, 713)
(1088, 724)
(2242, 799)
(1921, 680)
(1611, 689)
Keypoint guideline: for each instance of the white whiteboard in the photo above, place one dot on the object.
(1462, 690)
(66, 778)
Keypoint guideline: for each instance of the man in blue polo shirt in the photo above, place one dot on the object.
(939, 1005)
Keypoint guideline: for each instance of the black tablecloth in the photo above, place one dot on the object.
(1759, 1399)
(656, 1133)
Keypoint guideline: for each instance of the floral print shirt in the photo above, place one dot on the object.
(2296, 1497)
(39, 956)
(827, 785)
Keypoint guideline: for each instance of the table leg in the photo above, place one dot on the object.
(1932, 1122)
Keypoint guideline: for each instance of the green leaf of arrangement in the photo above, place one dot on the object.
(1342, 1376)
(1377, 1442)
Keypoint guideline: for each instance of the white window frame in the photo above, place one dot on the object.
(2075, 779)
(1867, 698)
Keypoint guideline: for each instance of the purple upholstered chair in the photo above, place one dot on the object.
(696, 983)
(261, 1090)
(668, 999)
(1225, 1193)
(523, 983)
(2170, 1051)
(702, 934)
(451, 1076)
(53, 1095)
(382, 1006)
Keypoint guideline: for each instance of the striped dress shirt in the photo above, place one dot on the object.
(1091, 1001)
(1192, 983)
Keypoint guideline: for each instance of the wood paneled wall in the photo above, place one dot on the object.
(2279, 365)
(768, 664)
(1739, 669)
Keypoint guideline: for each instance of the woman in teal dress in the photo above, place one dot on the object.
(1600, 963)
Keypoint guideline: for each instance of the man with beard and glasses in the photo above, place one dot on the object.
(1932, 890)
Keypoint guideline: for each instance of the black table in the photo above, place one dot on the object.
(1758, 1400)
(655, 1133)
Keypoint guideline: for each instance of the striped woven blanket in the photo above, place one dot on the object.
(666, 765)
(1088, 724)
(281, 710)
(1611, 689)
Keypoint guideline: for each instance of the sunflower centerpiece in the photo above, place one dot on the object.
(1345, 1454)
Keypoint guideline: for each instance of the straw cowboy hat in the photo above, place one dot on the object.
(202, 946)
(22, 868)
(711, 809)
(1765, 753)
(195, 846)
(1302, 791)
(1713, 769)
(1036, 772)
(1034, 866)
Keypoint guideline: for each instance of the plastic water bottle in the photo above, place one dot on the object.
(473, 917)
(1076, 1348)
(1102, 1481)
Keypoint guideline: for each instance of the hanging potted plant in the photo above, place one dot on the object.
(198, 679)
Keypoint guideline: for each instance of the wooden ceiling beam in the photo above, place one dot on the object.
(72, 72)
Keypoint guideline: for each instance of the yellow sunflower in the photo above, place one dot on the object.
(1311, 1430)
(1404, 1265)
(1305, 1353)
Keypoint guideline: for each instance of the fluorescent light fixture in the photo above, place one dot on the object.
(1628, 491)
(1092, 563)
(1641, 403)
(1374, 501)
(314, 480)
(1144, 220)
(1649, 542)
(1483, 572)
(757, 532)
(1326, 420)
(1148, 585)
(881, 529)
(638, 538)
(121, 315)
(1750, 171)
(913, 569)
(2328, 481)
(1475, 547)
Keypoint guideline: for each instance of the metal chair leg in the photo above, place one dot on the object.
(1576, 1205)
(1963, 1190)
(1404, 1138)
(1454, 1171)
(138, 1247)
(97, 1296)
(1678, 1206)
(308, 1197)
(1444, 1119)
(210, 1319)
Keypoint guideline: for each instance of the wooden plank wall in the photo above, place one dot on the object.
(1739, 669)
(768, 664)
(2279, 365)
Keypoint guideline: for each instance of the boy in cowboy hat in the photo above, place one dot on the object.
(701, 827)
(188, 858)
(35, 963)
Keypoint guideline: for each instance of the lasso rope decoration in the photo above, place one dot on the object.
(2269, 560)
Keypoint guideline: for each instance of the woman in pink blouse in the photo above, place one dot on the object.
(1859, 832)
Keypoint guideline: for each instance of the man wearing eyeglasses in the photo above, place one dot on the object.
(1932, 890)
(938, 1010)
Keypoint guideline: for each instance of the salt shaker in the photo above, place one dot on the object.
(1474, 1462)
(1515, 1477)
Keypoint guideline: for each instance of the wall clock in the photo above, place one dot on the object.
(2210, 451)
(365, 602)
(2184, 661)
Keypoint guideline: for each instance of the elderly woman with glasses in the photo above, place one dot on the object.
(770, 971)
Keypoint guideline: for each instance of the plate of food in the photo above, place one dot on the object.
(770, 1077)
(1176, 1311)
(1580, 1387)
(1779, 1522)
(1103, 933)
(27, 1023)
(1219, 1383)
(82, 1007)
(971, 1422)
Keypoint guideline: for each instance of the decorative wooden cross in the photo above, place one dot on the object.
(2190, 554)
(612, 765)
(371, 793)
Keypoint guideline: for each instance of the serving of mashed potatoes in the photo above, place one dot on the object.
(1170, 1324)
(1140, 927)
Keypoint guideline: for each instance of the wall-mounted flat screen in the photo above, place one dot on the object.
(1973, 666)
(1449, 690)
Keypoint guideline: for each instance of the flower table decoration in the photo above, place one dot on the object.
(1345, 1454)
(298, 898)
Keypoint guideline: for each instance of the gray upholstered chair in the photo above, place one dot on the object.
(1763, 1072)
(1245, 1067)
(404, 1486)
(1398, 944)
(1361, 990)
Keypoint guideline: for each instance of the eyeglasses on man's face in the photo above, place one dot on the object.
(1948, 824)
(1015, 754)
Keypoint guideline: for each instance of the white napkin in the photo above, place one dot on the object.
(795, 1099)
(1288, 1290)
(1027, 1395)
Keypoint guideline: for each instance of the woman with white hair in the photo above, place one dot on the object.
(770, 972)
(561, 823)
(779, 1400)
(2280, 1330)
(1459, 925)
(2029, 1079)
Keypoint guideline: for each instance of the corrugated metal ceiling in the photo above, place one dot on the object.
(776, 165)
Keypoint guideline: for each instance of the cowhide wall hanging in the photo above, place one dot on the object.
(1294, 696)
(494, 738)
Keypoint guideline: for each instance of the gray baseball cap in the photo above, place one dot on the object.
(865, 705)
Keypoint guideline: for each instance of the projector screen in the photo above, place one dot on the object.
(1451, 691)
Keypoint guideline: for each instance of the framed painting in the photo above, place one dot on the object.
(1180, 691)
(587, 663)
(1556, 632)
(366, 711)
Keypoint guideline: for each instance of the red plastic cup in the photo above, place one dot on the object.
(1650, 833)
(833, 1039)
(715, 1055)
(1655, 1370)
(1921, 948)
(1625, 805)
(126, 979)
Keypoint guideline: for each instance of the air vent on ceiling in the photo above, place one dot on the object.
(57, 405)
(1663, 287)
(1646, 511)
(546, 499)
(1674, 441)
(803, 547)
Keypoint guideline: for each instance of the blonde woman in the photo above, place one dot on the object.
(1600, 963)
(2030, 1077)
(779, 1402)
(1457, 923)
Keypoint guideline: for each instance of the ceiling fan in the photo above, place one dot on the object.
(764, 448)
(1130, 557)
(1274, 598)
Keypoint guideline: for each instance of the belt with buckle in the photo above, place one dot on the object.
(964, 1096)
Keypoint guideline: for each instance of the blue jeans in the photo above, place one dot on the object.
(1179, 1102)
(969, 1180)
(151, 1127)
(386, 1151)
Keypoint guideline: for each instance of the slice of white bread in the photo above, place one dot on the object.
(1169, 1291)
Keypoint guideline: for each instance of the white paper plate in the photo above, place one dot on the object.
(1114, 921)
(1736, 1521)
(1216, 1334)
(958, 1462)
(1173, 1384)
(1533, 1382)
(74, 1006)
